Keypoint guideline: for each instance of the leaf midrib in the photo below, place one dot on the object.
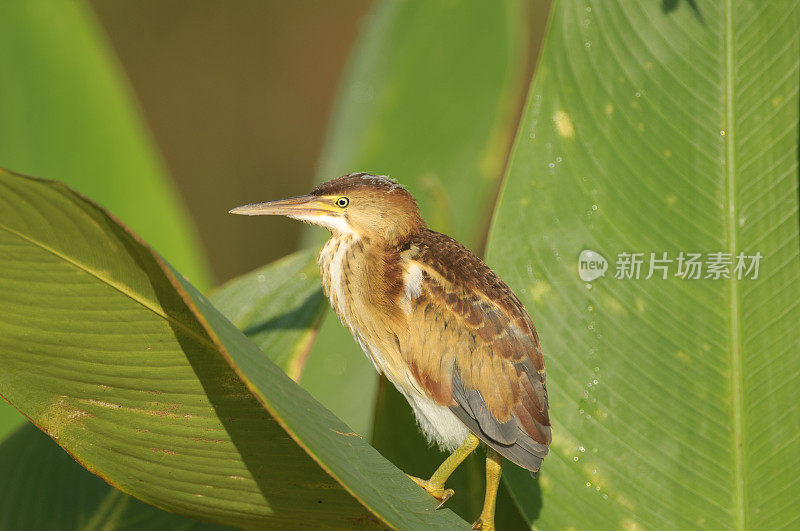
(204, 340)
(734, 317)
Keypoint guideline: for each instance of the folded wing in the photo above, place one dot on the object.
(477, 351)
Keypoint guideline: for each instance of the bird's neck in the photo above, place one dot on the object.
(360, 272)
(339, 255)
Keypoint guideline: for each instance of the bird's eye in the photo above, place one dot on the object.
(342, 202)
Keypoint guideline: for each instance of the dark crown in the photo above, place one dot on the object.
(355, 181)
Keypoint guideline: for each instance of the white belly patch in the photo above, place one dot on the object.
(437, 423)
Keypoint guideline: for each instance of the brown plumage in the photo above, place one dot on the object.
(484, 360)
(435, 319)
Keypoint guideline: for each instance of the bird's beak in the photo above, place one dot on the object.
(303, 206)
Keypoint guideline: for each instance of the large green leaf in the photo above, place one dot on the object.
(662, 127)
(275, 306)
(66, 111)
(429, 98)
(44, 488)
(10, 419)
(278, 306)
(131, 370)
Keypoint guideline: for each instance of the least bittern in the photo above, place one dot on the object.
(444, 329)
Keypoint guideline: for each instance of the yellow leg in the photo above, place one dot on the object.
(435, 485)
(494, 464)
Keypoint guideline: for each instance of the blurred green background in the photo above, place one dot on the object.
(237, 96)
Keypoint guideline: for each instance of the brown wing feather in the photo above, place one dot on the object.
(477, 350)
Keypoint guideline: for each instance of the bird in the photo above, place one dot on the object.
(436, 321)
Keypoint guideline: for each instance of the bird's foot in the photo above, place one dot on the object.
(436, 490)
(487, 525)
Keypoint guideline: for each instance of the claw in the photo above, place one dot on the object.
(448, 493)
(478, 524)
(434, 489)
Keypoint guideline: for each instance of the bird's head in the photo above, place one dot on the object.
(370, 206)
